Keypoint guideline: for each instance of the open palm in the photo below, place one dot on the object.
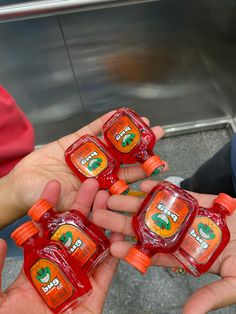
(47, 163)
(215, 295)
(21, 297)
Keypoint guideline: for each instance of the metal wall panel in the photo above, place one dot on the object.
(153, 57)
(36, 69)
(172, 60)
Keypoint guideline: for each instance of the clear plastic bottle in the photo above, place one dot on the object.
(131, 140)
(84, 241)
(207, 237)
(88, 157)
(51, 271)
(160, 224)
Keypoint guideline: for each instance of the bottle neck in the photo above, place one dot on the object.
(30, 242)
(149, 253)
(46, 216)
(144, 155)
(220, 209)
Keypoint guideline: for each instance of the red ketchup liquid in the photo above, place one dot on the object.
(50, 270)
(207, 237)
(84, 241)
(132, 141)
(88, 157)
(161, 223)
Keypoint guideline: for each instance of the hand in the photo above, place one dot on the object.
(28, 178)
(21, 297)
(215, 295)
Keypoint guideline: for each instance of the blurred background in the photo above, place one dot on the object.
(171, 60)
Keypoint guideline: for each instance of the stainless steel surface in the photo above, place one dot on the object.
(149, 57)
(36, 69)
(173, 61)
(199, 126)
(41, 8)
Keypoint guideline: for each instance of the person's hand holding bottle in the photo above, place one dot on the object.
(215, 295)
(23, 185)
(22, 298)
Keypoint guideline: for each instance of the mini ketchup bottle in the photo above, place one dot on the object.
(207, 237)
(51, 270)
(161, 223)
(88, 157)
(84, 241)
(131, 140)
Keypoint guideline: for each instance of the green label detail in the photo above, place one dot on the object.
(161, 221)
(128, 139)
(43, 275)
(66, 239)
(94, 164)
(206, 232)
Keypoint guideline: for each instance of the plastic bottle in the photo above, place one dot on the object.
(161, 223)
(132, 140)
(50, 269)
(84, 241)
(207, 237)
(88, 157)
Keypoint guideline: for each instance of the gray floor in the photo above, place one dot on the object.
(159, 291)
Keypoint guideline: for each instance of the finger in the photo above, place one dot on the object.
(166, 167)
(100, 202)
(85, 196)
(158, 131)
(120, 249)
(132, 173)
(146, 120)
(205, 200)
(3, 252)
(115, 236)
(93, 128)
(51, 192)
(124, 203)
(148, 185)
(213, 296)
(113, 221)
(135, 173)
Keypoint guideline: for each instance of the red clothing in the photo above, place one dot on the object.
(16, 133)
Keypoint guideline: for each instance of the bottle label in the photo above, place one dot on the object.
(202, 239)
(89, 159)
(50, 281)
(124, 135)
(77, 243)
(166, 214)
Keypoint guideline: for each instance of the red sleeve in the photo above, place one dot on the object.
(16, 133)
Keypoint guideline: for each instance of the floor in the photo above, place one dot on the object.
(159, 291)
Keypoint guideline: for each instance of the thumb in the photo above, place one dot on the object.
(213, 296)
(3, 252)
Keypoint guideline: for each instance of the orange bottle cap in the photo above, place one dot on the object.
(24, 232)
(119, 187)
(39, 209)
(228, 202)
(138, 259)
(153, 165)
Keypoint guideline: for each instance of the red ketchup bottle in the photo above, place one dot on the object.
(161, 223)
(131, 140)
(207, 237)
(88, 157)
(50, 270)
(84, 241)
